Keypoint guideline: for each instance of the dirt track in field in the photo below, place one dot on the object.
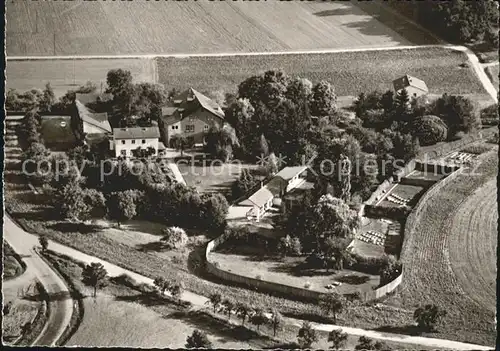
(473, 245)
(439, 262)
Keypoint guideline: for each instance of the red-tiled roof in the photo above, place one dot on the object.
(136, 133)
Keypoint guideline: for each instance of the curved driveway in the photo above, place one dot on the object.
(60, 302)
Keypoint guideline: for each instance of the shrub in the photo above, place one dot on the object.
(429, 130)
(174, 238)
(390, 270)
(125, 280)
(428, 317)
(476, 149)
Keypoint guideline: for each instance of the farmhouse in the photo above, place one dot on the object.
(270, 194)
(414, 86)
(127, 140)
(87, 124)
(190, 115)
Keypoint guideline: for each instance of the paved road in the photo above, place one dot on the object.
(21, 240)
(61, 305)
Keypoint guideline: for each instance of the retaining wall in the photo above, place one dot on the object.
(425, 183)
(291, 291)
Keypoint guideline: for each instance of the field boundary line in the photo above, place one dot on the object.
(225, 54)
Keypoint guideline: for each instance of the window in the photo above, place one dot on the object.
(133, 141)
(173, 127)
(189, 128)
(123, 141)
(143, 141)
(123, 152)
(205, 127)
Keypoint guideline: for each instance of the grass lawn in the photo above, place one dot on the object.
(12, 268)
(492, 72)
(123, 315)
(253, 263)
(350, 72)
(214, 177)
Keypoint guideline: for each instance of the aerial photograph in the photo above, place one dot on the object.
(251, 174)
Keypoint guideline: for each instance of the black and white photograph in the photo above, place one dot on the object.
(251, 174)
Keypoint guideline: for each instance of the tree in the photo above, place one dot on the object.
(337, 338)
(44, 242)
(243, 311)
(332, 303)
(258, 318)
(221, 141)
(323, 100)
(215, 299)
(198, 339)
(214, 208)
(161, 284)
(122, 205)
(48, 99)
(334, 250)
(95, 276)
(429, 130)
(457, 112)
(402, 106)
(229, 306)
(174, 238)
(306, 336)
(179, 143)
(141, 152)
(276, 320)
(120, 85)
(175, 289)
(245, 182)
(299, 89)
(333, 217)
(390, 270)
(429, 316)
(37, 164)
(364, 343)
(262, 148)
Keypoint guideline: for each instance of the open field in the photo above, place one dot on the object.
(252, 263)
(66, 75)
(92, 28)
(350, 72)
(438, 258)
(474, 230)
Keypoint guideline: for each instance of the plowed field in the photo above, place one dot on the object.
(450, 257)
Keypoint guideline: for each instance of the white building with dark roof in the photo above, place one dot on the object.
(414, 86)
(126, 140)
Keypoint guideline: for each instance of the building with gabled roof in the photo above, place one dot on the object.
(283, 182)
(414, 86)
(191, 115)
(126, 140)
